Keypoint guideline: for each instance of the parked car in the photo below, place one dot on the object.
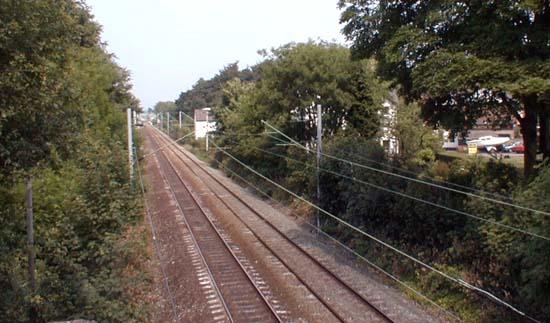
(507, 147)
(488, 141)
(519, 149)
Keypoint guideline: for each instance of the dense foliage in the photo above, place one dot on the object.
(208, 93)
(292, 81)
(463, 59)
(62, 122)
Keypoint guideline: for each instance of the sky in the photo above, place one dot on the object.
(169, 44)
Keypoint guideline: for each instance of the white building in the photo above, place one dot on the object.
(204, 122)
(388, 120)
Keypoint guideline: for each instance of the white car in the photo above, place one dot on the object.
(490, 143)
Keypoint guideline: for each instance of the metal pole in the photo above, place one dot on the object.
(30, 233)
(319, 152)
(130, 150)
(206, 130)
(168, 123)
(179, 118)
(30, 245)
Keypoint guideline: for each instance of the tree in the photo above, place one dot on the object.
(208, 93)
(35, 47)
(292, 79)
(295, 77)
(166, 106)
(532, 257)
(462, 59)
(415, 138)
(37, 42)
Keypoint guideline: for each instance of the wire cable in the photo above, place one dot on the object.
(270, 134)
(410, 178)
(443, 274)
(414, 198)
(380, 269)
(402, 170)
(168, 144)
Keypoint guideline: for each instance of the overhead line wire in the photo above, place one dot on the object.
(168, 144)
(397, 168)
(426, 177)
(418, 293)
(235, 134)
(456, 280)
(410, 178)
(477, 217)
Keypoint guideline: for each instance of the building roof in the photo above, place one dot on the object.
(200, 114)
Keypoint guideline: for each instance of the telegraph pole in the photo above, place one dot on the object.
(319, 153)
(130, 149)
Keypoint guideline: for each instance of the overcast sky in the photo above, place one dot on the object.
(169, 44)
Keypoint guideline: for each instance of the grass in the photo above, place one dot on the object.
(514, 160)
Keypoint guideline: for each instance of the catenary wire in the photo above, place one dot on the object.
(386, 165)
(443, 274)
(477, 217)
(410, 178)
(418, 293)
(405, 171)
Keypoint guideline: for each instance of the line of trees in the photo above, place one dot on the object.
(62, 133)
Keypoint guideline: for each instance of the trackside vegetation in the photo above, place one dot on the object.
(62, 128)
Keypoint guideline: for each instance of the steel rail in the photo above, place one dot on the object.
(219, 235)
(264, 243)
(155, 244)
(284, 236)
(199, 251)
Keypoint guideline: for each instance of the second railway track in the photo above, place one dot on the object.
(337, 295)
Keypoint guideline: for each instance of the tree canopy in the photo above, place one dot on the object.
(292, 80)
(164, 106)
(208, 93)
(462, 59)
(296, 77)
(40, 90)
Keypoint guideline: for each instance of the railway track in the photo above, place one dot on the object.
(336, 301)
(243, 295)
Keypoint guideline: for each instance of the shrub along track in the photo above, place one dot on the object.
(336, 294)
